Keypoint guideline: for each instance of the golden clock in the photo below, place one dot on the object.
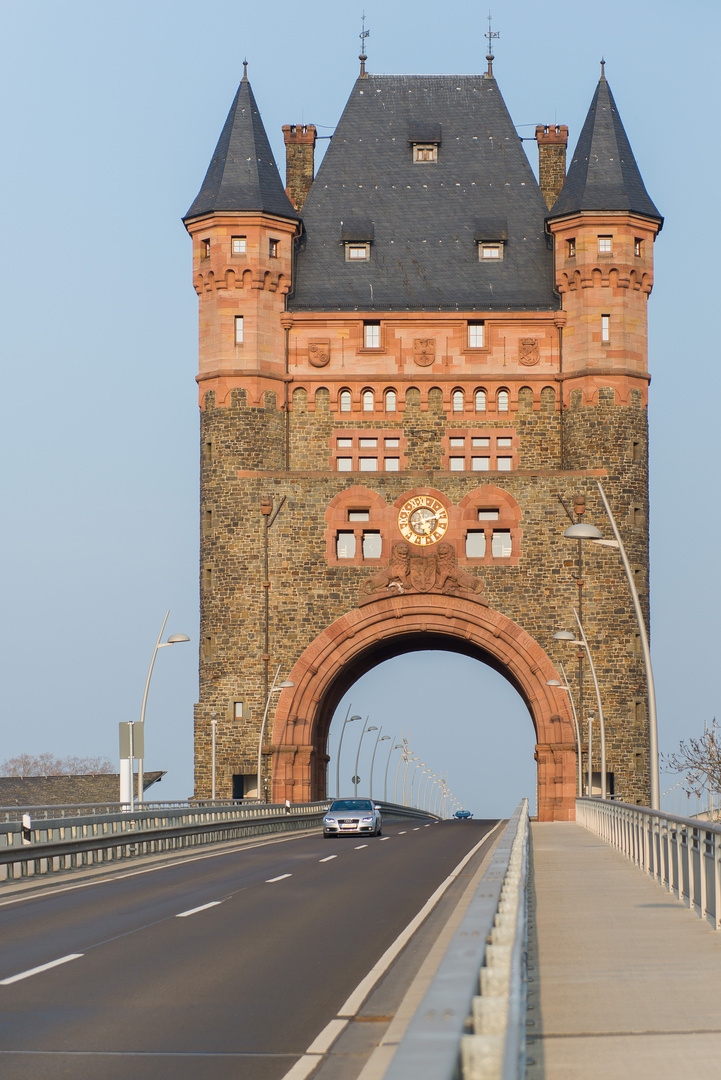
(423, 520)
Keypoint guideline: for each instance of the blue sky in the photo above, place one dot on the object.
(111, 114)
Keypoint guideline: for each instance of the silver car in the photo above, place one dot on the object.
(352, 816)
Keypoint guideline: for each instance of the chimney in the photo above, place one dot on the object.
(299, 148)
(552, 140)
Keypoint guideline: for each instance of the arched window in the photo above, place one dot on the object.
(503, 399)
(390, 401)
(457, 400)
(480, 400)
(345, 401)
(368, 401)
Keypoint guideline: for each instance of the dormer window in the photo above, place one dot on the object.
(357, 252)
(425, 152)
(491, 235)
(356, 235)
(490, 251)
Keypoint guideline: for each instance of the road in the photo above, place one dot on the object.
(211, 966)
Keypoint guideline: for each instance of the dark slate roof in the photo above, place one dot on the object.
(603, 174)
(425, 216)
(242, 174)
(97, 789)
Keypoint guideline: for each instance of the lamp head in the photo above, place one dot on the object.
(583, 531)
(374, 727)
(553, 682)
(174, 638)
(564, 635)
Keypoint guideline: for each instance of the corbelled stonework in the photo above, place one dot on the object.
(343, 418)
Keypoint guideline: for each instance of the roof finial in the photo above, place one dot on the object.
(490, 57)
(245, 71)
(603, 68)
(363, 35)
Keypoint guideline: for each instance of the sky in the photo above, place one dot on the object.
(110, 117)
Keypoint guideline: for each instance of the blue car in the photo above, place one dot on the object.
(463, 814)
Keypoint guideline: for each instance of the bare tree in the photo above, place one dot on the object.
(51, 765)
(700, 760)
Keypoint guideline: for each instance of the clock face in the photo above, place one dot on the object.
(423, 520)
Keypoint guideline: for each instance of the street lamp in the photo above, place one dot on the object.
(564, 686)
(348, 720)
(174, 639)
(375, 747)
(590, 532)
(398, 746)
(402, 760)
(566, 635)
(420, 765)
(373, 727)
(408, 761)
(427, 774)
(273, 690)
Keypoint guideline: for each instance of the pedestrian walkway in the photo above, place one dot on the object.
(624, 981)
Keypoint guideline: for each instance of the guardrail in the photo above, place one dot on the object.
(480, 984)
(68, 843)
(683, 854)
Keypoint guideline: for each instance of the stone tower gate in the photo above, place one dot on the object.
(410, 378)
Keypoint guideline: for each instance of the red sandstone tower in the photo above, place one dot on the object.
(408, 364)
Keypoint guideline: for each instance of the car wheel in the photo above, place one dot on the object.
(327, 836)
(380, 831)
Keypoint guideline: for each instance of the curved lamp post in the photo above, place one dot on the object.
(564, 686)
(566, 635)
(174, 639)
(590, 532)
(275, 689)
(357, 757)
(398, 746)
(340, 743)
(401, 761)
(408, 761)
(420, 765)
(375, 747)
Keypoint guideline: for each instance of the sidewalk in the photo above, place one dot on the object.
(624, 982)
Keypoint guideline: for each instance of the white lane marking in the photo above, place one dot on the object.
(427, 826)
(364, 987)
(385, 837)
(416, 828)
(328, 858)
(403, 832)
(303, 1067)
(42, 967)
(270, 880)
(328, 1035)
(361, 846)
(203, 907)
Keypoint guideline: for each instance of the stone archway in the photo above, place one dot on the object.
(365, 636)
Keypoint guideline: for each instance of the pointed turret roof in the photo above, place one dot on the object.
(242, 174)
(603, 174)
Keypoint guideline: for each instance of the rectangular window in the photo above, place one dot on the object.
(475, 335)
(238, 329)
(368, 443)
(605, 329)
(480, 464)
(237, 710)
(392, 464)
(457, 442)
(457, 464)
(369, 464)
(571, 247)
(357, 252)
(392, 444)
(425, 152)
(345, 545)
(371, 335)
(344, 444)
(237, 245)
(372, 545)
(359, 515)
(207, 647)
(488, 515)
(205, 249)
(490, 251)
(345, 464)
(605, 245)
(501, 544)
(503, 464)
(638, 247)
(475, 544)
(207, 578)
(504, 441)
(480, 440)
(274, 249)
(207, 522)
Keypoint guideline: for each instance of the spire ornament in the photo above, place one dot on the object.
(491, 35)
(603, 68)
(245, 71)
(363, 35)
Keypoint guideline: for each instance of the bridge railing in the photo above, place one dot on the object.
(52, 844)
(683, 854)
(480, 984)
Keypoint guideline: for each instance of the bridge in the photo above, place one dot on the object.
(441, 949)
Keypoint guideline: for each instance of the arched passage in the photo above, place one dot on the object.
(385, 628)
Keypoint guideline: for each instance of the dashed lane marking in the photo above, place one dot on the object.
(270, 880)
(42, 967)
(385, 837)
(361, 846)
(193, 910)
(328, 858)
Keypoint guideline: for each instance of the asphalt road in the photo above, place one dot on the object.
(239, 988)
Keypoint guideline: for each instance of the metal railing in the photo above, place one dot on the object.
(59, 843)
(480, 984)
(683, 854)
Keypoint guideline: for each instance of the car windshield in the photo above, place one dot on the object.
(352, 804)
